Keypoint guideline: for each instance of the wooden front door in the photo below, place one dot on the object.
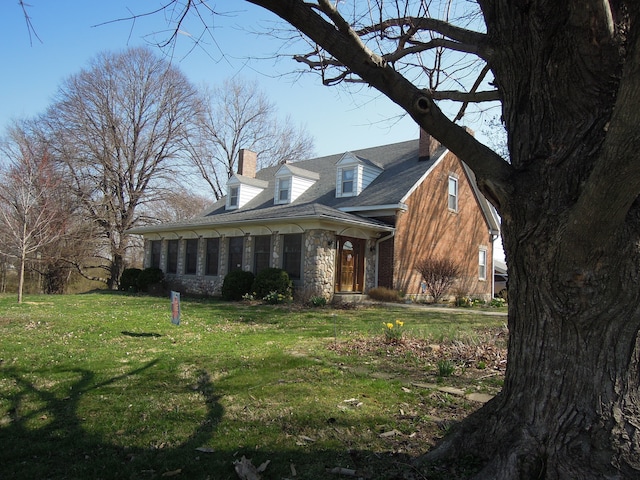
(350, 268)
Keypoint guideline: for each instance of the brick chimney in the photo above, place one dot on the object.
(427, 146)
(247, 163)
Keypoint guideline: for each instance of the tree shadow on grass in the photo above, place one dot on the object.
(141, 334)
(44, 435)
(47, 439)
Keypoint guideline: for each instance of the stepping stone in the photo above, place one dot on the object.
(479, 397)
(452, 391)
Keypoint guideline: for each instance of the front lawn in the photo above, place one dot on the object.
(103, 385)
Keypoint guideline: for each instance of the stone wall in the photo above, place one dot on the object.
(319, 264)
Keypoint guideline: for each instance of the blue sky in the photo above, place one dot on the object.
(71, 32)
(339, 120)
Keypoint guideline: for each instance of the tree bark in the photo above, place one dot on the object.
(567, 77)
(570, 406)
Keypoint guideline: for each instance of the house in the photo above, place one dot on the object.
(337, 224)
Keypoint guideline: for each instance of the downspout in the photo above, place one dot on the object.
(378, 242)
(492, 238)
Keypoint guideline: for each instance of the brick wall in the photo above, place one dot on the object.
(429, 228)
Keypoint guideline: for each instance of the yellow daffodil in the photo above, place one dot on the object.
(389, 326)
(399, 323)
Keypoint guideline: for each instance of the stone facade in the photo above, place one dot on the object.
(319, 264)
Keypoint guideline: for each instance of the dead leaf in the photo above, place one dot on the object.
(205, 449)
(389, 434)
(247, 470)
(342, 471)
(172, 473)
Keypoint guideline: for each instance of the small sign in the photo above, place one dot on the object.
(175, 308)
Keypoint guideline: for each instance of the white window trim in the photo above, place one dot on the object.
(455, 196)
(482, 266)
(279, 190)
(354, 180)
(231, 196)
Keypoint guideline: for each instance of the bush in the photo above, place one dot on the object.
(274, 298)
(317, 301)
(236, 284)
(129, 279)
(445, 368)
(439, 275)
(149, 276)
(272, 282)
(383, 294)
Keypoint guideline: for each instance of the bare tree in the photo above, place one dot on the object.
(119, 128)
(30, 215)
(239, 115)
(439, 275)
(566, 76)
(176, 205)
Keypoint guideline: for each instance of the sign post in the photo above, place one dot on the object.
(175, 308)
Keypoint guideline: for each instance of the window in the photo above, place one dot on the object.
(213, 251)
(235, 253)
(172, 256)
(191, 256)
(233, 196)
(348, 175)
(261, 253)
(284, 185)
(292, 255)
(453, 194)
(482, 264)
(156, 249)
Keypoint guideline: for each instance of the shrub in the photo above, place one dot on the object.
(445, 368)
(273, 298)
(439, 275)
(236, 284)
(317, 301)
(148, 277)
(129, 279)
(393, 332)
(272, 282)
(383, 294)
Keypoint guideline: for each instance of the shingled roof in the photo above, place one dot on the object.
(401, 167)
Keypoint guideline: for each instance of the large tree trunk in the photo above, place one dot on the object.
(570, 406)
(567, 75)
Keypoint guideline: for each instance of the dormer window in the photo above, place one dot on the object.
(241, 190)
(348, 175)
(284, 187)
(233, 197)
(291, 182)
(354, 174)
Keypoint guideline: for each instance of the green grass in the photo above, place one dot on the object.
(102, 385)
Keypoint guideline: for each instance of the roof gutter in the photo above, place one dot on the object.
(174, 228)
(392, 206)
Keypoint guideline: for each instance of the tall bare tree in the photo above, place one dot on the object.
(239, 115)
(31, 215)
(118, 128)
(566, 76)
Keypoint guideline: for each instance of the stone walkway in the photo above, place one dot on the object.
(474, 397)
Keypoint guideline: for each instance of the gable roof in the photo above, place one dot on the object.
(401, 167)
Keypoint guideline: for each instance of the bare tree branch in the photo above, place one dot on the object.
(27, 18)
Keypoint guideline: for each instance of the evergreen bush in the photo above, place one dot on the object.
(129, 279)
(149, 276)
(272, 281)
(236, 284)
